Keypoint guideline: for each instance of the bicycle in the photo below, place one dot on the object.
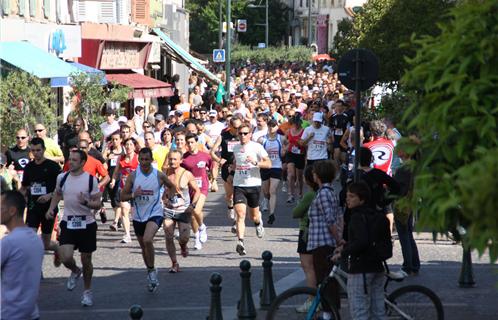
(408, 302)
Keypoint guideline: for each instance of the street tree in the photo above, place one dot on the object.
(454, 79)
(24, 101)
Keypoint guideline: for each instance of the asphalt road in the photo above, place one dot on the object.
(120, 277)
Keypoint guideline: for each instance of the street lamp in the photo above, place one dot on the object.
(267, 26)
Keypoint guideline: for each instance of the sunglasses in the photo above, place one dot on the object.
(244, 133)
(146, 126)
(39, 130)
(21, 138)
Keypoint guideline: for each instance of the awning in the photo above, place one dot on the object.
(178, 54)
(143, 86)
(91, 71)
(34, 60)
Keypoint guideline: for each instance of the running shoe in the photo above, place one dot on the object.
(184, 250)
(284, 187)
(114, 226)
(57, 260)
(126, 239)
(241, 250)
(203, 236)
(153, 280)
(87, 298)
(175, 267)
(103, 215)
(264, 205)
(234, 228)
(214, 186)
(72, 280)
(290, 199)
(305, 306)
(271, 219)
(231, 213)
(260, 231)
(198, 243)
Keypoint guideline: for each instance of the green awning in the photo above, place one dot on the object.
(179, 55)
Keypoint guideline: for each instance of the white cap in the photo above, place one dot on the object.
(213, 113)
(122, 119)
(318, 116)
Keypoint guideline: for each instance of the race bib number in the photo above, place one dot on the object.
(296, 150)
(145, 197)
(199, 182)
(338, 132)
(318, 145)
(20, 173)
(231, 144)
(38, 190)
(273, 155)
(242, 170)
(114, 162)
(76, 222)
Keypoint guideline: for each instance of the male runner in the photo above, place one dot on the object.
(78, 226)
(143, 187)
(249, 157)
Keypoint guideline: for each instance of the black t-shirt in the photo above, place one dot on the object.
(19, 157)
(40, 179)
(338, 124)
(228, 140)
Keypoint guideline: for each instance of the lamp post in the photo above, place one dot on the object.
(227, 50)
(220, 31)
(267, 26)
(309, 23)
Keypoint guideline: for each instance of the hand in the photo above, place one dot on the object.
(251, 160)
(336, 257)
(137, 192)
(50, 214)
(223, 161)
(311, 135)
(82, 198)
(44, 199)
(112, 184)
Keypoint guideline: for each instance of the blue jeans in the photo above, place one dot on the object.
(369, 305)
(411, 260)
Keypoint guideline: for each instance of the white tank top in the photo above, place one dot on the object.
(149, 204)
(178, 202)
(274, 149)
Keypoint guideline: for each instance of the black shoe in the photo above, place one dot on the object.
(271, 219)
(120, 225)
(103, 215)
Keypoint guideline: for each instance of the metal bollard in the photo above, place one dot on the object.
(215, 308)
(267, 294)
(246, 307)
(136, 312)
(466, 279)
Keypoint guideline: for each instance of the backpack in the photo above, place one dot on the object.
(90, 182)
(379, 235)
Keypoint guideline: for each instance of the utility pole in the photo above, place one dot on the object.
(220, 31)
(267, 26)
(227, 49)
(309, 23)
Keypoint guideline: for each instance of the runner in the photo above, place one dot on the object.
(198, 163)
(339, 123)
(78, 228)
(18, 156)
(38, 184)
(249, 157)
(316, 138)
(274, 146)
(296, 158)
(213, 130)
(127, 164)
(143, 188)
(178, 207)
(227, 141)
(381, 147)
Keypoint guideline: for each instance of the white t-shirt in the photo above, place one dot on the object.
(183, 107)
(108, 129)
(213, 130)
(243, 111)
(247, 174)
(71, 189)
(259, 133)
(22, 256)
(317, 146)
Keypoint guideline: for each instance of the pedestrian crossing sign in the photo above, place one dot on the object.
(219, 55)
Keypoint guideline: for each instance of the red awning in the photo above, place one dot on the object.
(143, 86)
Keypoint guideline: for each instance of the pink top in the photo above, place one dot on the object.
(198, 164)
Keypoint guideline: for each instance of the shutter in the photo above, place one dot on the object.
(32, 8)
(6, 7)
(46, 8)
(58, 10)
(107, 12)
(141, 11)
(81, 11)
(123, 11)
(22, 7)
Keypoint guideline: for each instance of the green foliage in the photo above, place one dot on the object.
(204, 23)
(91, 97)
(386, 27)
(345, 37)
(24, 102)
(454, 78)
(393, 107)
(241, 54)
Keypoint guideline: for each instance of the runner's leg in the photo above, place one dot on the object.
(86, 262)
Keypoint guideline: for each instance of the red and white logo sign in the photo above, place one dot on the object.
(241, 25)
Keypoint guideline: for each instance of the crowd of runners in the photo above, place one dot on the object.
(287, 128)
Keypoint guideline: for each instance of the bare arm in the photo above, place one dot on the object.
(126, 193)
(166, 182)
(195, 188)
(115, 174)
(214, 148)
(56, 198)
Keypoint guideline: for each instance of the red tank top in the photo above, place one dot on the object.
(294, 147)
(127, 168)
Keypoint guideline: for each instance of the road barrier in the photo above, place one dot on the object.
(267, 293)
(215, 312)
(246, 308)
(136, 312)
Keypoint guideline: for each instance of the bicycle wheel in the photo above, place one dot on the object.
(414, 302)
(294, 304)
